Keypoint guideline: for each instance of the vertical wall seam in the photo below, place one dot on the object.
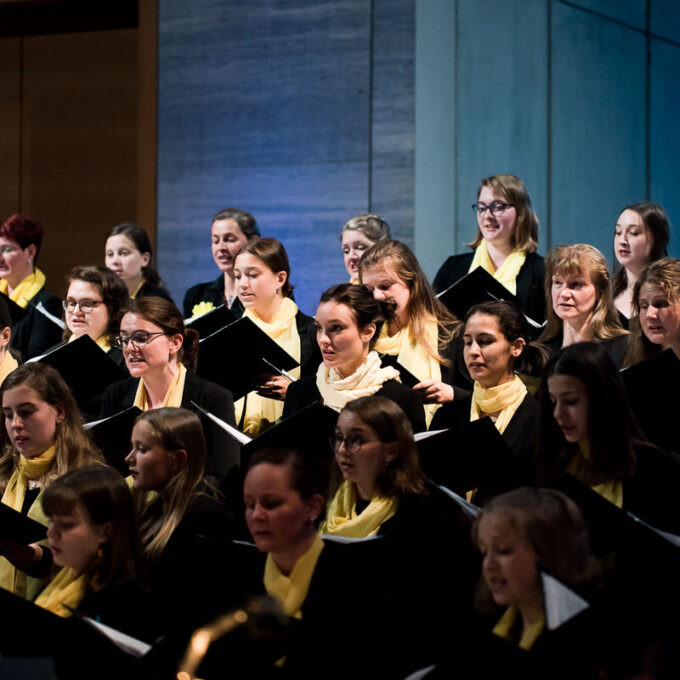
(648, 101)
(548, 141)
(370, 106)
(456, 84)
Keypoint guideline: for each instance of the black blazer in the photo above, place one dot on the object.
(304, 392)
(310, 354)
(210, 291)
(224, 453)
(530, 281)
(35, 333)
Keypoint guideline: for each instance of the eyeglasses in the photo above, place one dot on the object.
(352, 443)
(138, 338)
(497, 208)
(85, 305)
(7, 250)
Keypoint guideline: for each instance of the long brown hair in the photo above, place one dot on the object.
(664, 275)
(106, 498)
(174, 429)
(402, 476)
(573, 259)
(164, 314)
(512, 190)
(74, 447)
(423, 305)
(273, 255)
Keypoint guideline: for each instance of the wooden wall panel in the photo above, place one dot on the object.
(79, 151)
(10, 125)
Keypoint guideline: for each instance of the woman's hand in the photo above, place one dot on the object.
(434, 391)
(274, 388)
(21, 556)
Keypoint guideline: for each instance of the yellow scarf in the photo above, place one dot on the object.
(529, 635)
(262, 412)
(64, 590)
(354, 280)
(26, 468)
(102, 341)
(342, 518)
(26, 290)
(612, 490)
(505, 398)
(136, 291)
(173, 397)
(291, 591)
(414, 356)
(365, 381)
(506, 273)
(7, 365)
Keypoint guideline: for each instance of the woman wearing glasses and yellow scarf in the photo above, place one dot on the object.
(23, 283)
(505, 245)
(160, 353)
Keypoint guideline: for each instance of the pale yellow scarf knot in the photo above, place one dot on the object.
(503, 399)
(342, 518)
(337, 391)
(506, 273)
(529, 635)
(26, 290)
(173, 396)
(102, 342)
(612, 490)
(291, 591)
(63, 593)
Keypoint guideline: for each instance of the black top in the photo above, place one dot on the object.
(310, 354)
(223, 451)
(35, 333)
(147, 290)
(530, 281)
(616, 347)
(210, 291)
(304, 392)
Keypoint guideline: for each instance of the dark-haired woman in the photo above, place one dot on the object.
(7, 360)
(44, 435)
(94, 306)
(160, 353)
(348, 321)
(128, 254)
(495, 344)
(231, 230)
(586, 429)
(640, 238)
(421, 332)
(262, 277)
(505, 245)
(24, 283)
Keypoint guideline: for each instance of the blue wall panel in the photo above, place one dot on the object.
(665, 133)
(631, 12)
(664, 18)
(598, 143)
(501, 102)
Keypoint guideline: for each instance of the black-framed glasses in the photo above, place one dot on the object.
(138, 338)
(352, 443)
(497, 208)
(85, 305)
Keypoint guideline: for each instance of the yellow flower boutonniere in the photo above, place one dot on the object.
(202, 308)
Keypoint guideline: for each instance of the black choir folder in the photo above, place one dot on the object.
(85, 368)
(239, 355)
(113, 434)
(212, 321)
(476, 287)
(407, 378)
(19, 528)
(16, 313)
(652, 389)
